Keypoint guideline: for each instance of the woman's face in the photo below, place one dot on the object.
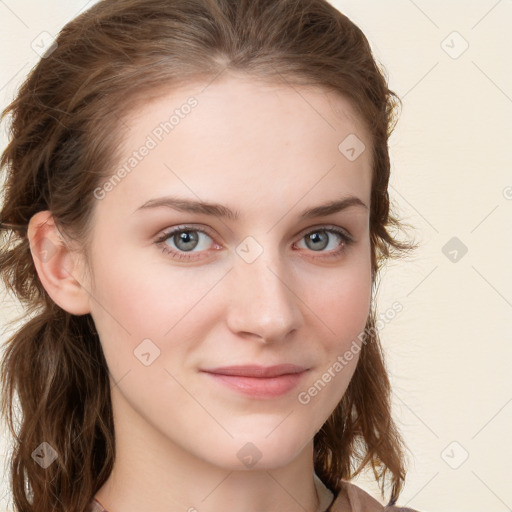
(258, 280)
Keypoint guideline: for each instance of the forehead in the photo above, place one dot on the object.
(238, 138)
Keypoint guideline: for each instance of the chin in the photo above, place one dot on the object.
(246, 453)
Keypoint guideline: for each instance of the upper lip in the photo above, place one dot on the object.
(257, 371)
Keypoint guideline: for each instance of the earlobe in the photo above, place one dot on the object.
(56, 265)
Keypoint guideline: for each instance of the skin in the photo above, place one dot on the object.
(268, 151)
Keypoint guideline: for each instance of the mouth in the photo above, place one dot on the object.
(259, 381)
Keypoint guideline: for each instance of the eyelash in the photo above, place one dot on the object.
(346, 241)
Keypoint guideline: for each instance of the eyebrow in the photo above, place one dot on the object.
(219, 210)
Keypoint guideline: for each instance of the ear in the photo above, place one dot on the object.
(56, 265)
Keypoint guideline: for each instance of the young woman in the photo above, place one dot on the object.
(195, 214)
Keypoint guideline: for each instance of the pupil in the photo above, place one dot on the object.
(317, 237)
(187, 238)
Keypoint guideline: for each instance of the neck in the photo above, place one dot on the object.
(152, 473)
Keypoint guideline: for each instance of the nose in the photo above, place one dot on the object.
(263, 303)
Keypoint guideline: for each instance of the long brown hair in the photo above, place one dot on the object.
(63, 143)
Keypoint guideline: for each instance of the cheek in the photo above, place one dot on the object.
(136, 301)
(342, 302)
(343, 306)
(134, 292)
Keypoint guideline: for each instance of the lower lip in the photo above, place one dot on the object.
(262, 387)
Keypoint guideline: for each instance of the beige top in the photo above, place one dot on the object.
(350, 499)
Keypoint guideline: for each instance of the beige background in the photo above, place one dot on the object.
(450, 349)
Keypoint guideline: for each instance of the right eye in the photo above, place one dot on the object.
(180, 241)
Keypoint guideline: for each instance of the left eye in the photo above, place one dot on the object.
(319, 239)
(181, 241)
